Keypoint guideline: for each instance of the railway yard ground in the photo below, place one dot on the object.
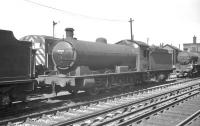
(48, 100)
(174, 103)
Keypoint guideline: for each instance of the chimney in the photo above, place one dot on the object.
(69, 32)
(194, 39)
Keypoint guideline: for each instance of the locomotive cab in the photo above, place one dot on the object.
(142, 61)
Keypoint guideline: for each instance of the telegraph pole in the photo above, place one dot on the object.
(132, 36)
(147, 40)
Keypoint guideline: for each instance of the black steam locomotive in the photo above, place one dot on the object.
(96, 66)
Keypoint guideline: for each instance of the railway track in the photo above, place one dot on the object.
(169, 111)
(96, 111)
(50, 101)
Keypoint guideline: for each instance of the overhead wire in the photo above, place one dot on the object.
(75, 14)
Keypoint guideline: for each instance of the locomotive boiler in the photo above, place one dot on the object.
(188, 64)
(97, 66)
(189, 58)
(68, 55)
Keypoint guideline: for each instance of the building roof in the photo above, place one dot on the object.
(191, 44)
(171, 46)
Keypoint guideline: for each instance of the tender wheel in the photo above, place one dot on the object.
(93, 91)
(6, 100)
(73, 91)
(161, 78)
(129, 88)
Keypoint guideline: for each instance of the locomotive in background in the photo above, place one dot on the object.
(188, 64)
(96, 66)
(16, 68)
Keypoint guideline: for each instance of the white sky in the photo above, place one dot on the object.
(168, 21)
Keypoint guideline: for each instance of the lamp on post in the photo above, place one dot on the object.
(54, 23)
(47, 47)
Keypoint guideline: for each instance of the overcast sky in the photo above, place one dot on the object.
(168, 21)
